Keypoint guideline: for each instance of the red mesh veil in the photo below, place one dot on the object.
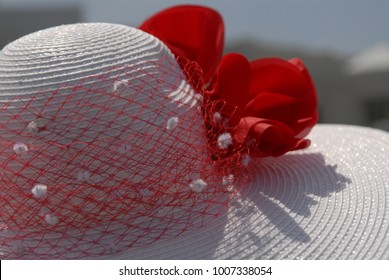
(116, 159)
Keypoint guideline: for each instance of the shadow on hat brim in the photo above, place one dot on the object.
(329, 201)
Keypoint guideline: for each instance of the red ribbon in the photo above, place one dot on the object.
(272, 102)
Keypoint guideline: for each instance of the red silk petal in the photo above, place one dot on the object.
(294, 101)
(312, 101)
(272, 138)
(276, 75)
(273, 105)
(232, 85)
(195, 32)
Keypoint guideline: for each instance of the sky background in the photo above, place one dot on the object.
(343, 26)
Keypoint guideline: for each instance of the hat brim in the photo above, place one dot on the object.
(329, 201)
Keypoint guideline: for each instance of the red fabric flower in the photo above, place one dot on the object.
(275, 99)
(272, 103)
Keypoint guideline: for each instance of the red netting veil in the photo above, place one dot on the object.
(113, 137)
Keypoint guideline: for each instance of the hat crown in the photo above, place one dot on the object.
(67, 53)
(99, 126)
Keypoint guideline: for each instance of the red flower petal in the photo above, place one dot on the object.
(193, 32)
(283, 91)
(232, 85)
(270, 138)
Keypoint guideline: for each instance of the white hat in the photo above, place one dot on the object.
(104, 154)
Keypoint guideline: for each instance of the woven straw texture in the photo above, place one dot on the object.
(330, 201)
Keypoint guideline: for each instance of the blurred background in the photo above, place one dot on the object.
(344, 43)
